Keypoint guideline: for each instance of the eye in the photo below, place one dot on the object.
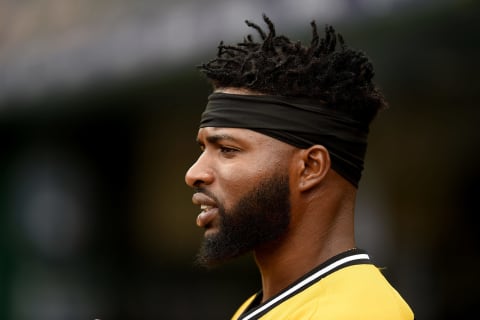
(227, 150)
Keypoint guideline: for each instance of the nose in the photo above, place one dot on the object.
(199, 173)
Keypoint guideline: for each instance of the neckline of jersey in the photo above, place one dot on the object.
(342, 260)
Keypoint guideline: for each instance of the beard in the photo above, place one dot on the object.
(258, 218)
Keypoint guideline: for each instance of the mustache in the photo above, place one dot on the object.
(206, 192)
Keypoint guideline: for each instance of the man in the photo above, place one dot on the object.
(283, 139)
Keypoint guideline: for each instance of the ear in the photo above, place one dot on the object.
(315, 163)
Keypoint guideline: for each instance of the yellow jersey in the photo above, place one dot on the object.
(347, 286)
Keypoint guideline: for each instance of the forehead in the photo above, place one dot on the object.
(213, 134)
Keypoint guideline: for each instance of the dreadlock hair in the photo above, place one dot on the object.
(327, 71)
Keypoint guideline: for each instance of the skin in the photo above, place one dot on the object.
(322, 202)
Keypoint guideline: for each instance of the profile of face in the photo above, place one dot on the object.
(242, 187)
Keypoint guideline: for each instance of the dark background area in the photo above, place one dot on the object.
(96, 220)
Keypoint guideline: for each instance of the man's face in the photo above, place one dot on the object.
(241, 183)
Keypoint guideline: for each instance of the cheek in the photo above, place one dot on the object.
(236, 182)
(239, 180)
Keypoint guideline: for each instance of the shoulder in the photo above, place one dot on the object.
(354, 292)
(357, 291)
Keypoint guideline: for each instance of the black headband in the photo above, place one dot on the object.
(294, 121)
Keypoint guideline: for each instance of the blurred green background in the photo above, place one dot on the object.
(99, 107)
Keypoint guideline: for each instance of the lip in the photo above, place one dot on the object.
(201, 199)
(209, 209)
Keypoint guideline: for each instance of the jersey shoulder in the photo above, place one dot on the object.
(354, 292)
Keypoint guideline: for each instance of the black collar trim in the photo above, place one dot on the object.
(342, 260)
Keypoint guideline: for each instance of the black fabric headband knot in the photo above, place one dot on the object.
(294, 121)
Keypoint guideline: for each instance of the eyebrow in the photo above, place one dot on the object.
(215, 138)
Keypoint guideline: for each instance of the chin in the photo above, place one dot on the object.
(210, 232)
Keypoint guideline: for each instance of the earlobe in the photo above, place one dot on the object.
(316, 164)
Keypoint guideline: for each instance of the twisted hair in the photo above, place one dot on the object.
(327, 71)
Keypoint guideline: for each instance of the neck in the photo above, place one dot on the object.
(324, 230)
